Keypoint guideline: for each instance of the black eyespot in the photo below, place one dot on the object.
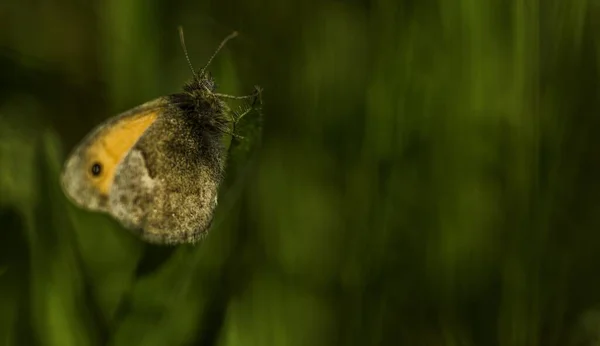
(96, 169)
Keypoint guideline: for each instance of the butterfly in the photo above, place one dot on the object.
(157, 168)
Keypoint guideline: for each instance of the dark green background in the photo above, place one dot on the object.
(428, 175)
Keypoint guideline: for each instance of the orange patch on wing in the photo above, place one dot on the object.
(112, 145)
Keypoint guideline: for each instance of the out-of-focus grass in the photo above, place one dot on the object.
(427, 176)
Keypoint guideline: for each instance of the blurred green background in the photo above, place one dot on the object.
(427, 174)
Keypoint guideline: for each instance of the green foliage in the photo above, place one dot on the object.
(420, 173)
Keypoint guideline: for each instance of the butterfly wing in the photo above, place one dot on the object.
(89, 171)
(166, 187)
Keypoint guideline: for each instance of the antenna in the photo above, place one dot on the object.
(187, 57)
(232, 35)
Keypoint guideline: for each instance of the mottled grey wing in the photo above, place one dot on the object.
(166, 187)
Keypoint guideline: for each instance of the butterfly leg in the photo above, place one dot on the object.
(254, 95)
